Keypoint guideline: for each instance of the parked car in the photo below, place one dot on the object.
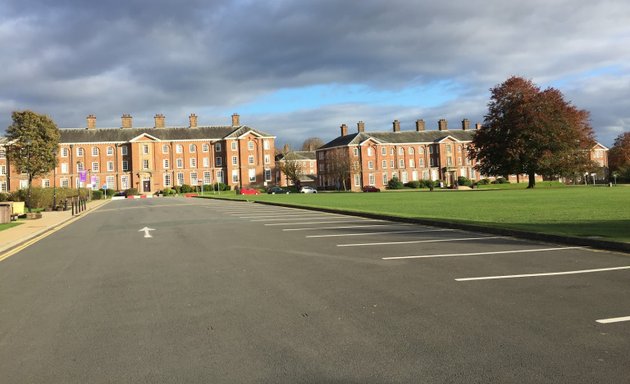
(249, 191)
(370, 188)
(277, 190)
(308, 189)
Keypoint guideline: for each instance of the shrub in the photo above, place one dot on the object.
(168, 191)
(110, 192)
(131, 192)
(220, 187)
(185, 188)
(4, 196)
(413, 184)
(461, 180)
(97, 194)
(501, 180)
(427, 184)
(394, 183)
(484, 182)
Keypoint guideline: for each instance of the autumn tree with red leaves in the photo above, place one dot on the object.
(619, 156)
(530, 131)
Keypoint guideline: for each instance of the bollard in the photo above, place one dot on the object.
(72, 203)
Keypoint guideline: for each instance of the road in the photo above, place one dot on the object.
(236, 292)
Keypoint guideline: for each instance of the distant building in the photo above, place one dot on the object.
(151, 159)
(307, 163)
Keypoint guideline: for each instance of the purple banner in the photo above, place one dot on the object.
(82, 176)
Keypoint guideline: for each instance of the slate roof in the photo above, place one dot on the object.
(83, 135)
(400, 137)
(297, 155)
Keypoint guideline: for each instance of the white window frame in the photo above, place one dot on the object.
(125, 165)
(110, 166)
(165, 163)
(94, 151)
(179, 148)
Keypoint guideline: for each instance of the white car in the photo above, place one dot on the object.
(307, 189)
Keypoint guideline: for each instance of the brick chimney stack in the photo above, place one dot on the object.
(420, 125)
(159, 120)
(127, 120)
(360, 126)
(442, 125)
(235, 120)
(344, 130)
(478, 126)
(465, 125)
(396, 124)
(192, 121)
(91, 122)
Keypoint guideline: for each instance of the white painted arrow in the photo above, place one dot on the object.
(146, 231)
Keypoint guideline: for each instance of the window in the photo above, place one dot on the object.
(219, 176)
(206, 162)
(64, 152)
(252, 175)
(250, 145)
(205, 147)
(145, 164)
(449, 161)
(64, 167)
(45, 183)
(449, 149)
(179, 148)
(384, 151)
(217, 147)
(357, 180)
(234, 145)
(472, 173)
(165, 164)
(3, 186)
(218, 161)
(109, 180)
(401, 151)
(64, 183)
(267, 174)
(421, 162)
(125, 167)
(145, 149)
(167, 179)
(391, 163)
(193, 178)
(404, 177)
(234, 160)
(192, 148)
(371, 179)
(412, 163)
(3, 169)
(355, 151)
(431, 149)
(94, 166)
(124, 150)
(94, 151)
(207, 177)
(110, 151)
(410, 151)
(384, 164)
(180, 178)
(421, 150)
(401, 163)
(79, 167)
(385, 179)
(370, 151)
(392, 151)
(265, 144)
(79, 151)
(110, 166)
(180, 163)
(235, 176)
(164, 148)
(124, 181)
(268, 160)
(193, 163)
(459, 161)
(370, 165)
(250, 159)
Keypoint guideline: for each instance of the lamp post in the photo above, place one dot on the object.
(27, 144)
(54, 204)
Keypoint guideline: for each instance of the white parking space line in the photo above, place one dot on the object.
(301, 217)
(339, 227)
(381, 233)
(544, 274)
(327, 222)
(419, 241)
(479, 253)
(614, 320)
(283, 215)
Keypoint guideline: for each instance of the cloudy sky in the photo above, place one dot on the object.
(300, 68)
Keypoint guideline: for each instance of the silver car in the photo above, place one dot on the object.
(307, 189)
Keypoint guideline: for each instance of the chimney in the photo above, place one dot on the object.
(192, 120)
(126, 120)
(465, 125)
(91, 122)
(478, 126)
(360, 126)
(159, 120)
(420, 125)
(396, 124)
(344, 130)
(235, 120)
(442, 125)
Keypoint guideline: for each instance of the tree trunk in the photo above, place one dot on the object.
(518, 178)
(28, 193)
(532, 180)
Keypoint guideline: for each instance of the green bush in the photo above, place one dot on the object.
(413, 184)
(131, 192)
(464, 181)
(4, 196)
(427, 184)
(220, 187)
(185, 188)
(501, 180)
(394, 183)
(168, 191)
(483, 182)
(97, 194)
(110, 192)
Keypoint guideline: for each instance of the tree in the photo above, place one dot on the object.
(33, 141)
(530, 131)
(292, 168)
(312, 143)
(341, 166)
(619, 156)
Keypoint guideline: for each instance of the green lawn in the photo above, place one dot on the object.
(8, 225)
(575, 211)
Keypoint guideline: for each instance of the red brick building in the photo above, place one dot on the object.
(307, 164)
(154, 158)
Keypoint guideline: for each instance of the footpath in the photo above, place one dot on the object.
(29, 229)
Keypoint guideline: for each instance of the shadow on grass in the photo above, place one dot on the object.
(613, 230)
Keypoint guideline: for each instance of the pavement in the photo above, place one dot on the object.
(29, 229)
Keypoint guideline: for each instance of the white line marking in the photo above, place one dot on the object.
(480, 253)
(379, 233)
(613, 320)
(340, 227)
(544, 274)
(301, 217)
(265, 216)
(326, 222)
(419, 241)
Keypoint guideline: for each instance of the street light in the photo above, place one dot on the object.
(54, 204)
(28, 144)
